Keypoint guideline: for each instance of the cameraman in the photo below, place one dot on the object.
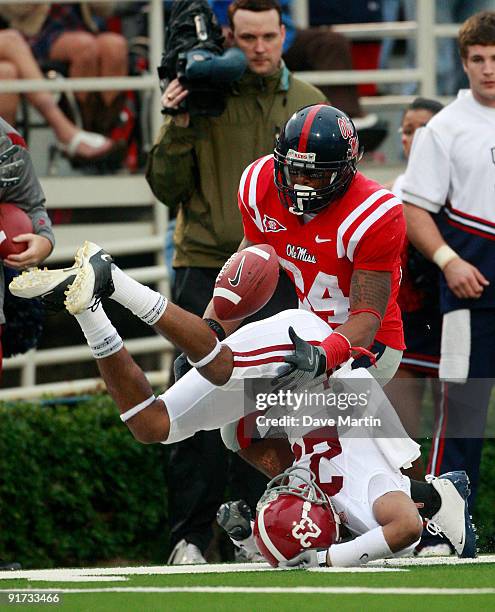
(194, 168)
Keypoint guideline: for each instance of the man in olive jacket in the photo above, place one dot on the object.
(194, 169)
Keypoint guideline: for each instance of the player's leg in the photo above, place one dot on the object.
(94, 276)
(399, 528)
(149, 418)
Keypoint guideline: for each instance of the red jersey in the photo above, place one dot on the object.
(363, 230)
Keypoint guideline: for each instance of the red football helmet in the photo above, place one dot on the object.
(293, 515)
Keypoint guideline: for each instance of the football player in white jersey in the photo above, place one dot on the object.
(212, 393)
(449, 193)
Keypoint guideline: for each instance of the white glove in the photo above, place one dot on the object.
(314, 557)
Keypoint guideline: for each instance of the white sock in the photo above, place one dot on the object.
(102, 337)
(367, 547)
(142, 301)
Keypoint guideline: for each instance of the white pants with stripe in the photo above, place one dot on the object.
(259, 349)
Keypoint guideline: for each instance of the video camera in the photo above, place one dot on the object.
(195, 55)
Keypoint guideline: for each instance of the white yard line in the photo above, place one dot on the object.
(118, 573)
(109, 573)
(411, 561)
(311, 590)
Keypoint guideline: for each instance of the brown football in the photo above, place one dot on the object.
(13, 221)
(246, 282)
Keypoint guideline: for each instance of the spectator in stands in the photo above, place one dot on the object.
(418, 301)
(17, 62)
(19, 185)
(448, 189)
(196, 165)
(324, 50)
(75, 35)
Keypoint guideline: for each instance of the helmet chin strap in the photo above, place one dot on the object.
(308, 192)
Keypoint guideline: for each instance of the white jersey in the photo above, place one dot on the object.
(358, 473)
(451, 174)
(452, 160)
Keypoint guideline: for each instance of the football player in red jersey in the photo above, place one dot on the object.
(337, 234)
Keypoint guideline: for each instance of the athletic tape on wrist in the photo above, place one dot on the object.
(336, 350)
(208, 358)
(443, 255)
(321, 555)
(125, 416)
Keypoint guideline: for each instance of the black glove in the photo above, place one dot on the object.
(10, 173)
(181, 365)
(308, 365)
(306, 559)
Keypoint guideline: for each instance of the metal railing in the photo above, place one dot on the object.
(424, 30)
(84, 192)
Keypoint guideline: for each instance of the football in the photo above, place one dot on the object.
(13, 221)
(246, 282)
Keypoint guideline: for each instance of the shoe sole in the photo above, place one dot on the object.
(80, 292)
(27, 284)
(461, 483)
(31, 279)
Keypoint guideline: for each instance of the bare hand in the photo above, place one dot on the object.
(464, 279)
(38, 249)
(172, 97)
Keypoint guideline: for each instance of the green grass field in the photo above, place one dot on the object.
(407, 584)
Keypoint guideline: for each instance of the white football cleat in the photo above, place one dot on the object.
(77, 288)
(93, 279)
(453, 519)
(185, 553)
(50, 286)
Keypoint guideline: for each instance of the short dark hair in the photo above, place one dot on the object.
(425, 104)
(479, 29)
(256, 6)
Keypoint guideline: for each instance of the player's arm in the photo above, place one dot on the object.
(220, 328)
(369, 296)
(463, 279)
